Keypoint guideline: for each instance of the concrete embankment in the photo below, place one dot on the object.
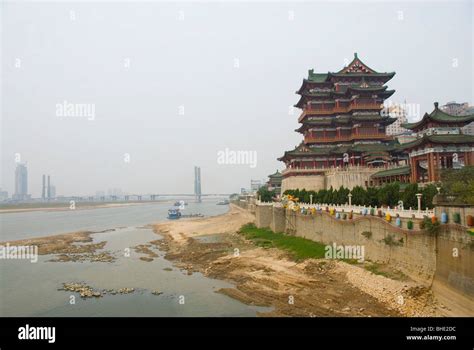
(444, 262)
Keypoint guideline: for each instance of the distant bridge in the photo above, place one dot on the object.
(136, 197)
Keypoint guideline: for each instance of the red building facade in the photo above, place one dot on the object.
(440, 144)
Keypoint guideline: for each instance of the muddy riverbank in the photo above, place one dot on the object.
(269, 277)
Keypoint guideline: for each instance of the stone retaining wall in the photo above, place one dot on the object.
(426, 258)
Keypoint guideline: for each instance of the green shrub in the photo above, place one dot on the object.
(457, 218)
(430, 226)
(391, 241)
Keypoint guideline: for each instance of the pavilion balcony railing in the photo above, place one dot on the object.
(331, 169)
(343, 109)
(361, 210)
(302, 170)
(315, 139)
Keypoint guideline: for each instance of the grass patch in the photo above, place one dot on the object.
(392, 241)
(300, 248)
(375, 269)
(384, 270)
(351, 261)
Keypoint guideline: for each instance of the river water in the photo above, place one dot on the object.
(31, 289)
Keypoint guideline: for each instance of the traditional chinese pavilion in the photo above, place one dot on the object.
(440, 144)
(341, 122)
(274, 182)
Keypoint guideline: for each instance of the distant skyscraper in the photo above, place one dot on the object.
(197, 183)
(53, 191)
(43, 189)
(3, 195)
(49, 187)
(21, 182)
(398, 112)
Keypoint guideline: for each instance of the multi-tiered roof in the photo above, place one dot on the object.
(439, 128)
(440, 144)
(341, 119)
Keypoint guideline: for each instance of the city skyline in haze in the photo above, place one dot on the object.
(134, 95)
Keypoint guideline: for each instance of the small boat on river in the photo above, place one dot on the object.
(174, 214)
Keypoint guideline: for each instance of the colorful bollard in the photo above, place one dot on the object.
(398, 222)
(444, 218)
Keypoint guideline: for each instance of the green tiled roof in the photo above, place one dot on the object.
(379, 118)
(453, 139)
(403, 170)
(372, 147)
(441, 117)
(367, 149)
(345, 119)
(317, 77)
(275, 175)
(340, 149)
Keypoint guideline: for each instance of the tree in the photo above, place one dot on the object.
(389, 194)
(304, 196)
(320, 196)
(359, 196)
(459, 184)
(342, 195)
(372, 197)
(265, 194)
(409, 196)
(328, 196)
(428, 194)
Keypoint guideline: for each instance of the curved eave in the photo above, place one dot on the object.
(368, 89)
(457, 139)
(301, 129)
(418, 125)
(276, 175)
(388, 93)
(441, 117)
(302, 87)
(403, 170)
(389, 121)
(306, 82)
(300, 103)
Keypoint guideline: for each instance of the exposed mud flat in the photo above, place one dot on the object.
(75, 247)
(145, 249)
(269, 277)
(86, 291)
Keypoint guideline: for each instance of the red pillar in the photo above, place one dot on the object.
(430, 167)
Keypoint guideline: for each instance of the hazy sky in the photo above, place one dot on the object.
(234, 67)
